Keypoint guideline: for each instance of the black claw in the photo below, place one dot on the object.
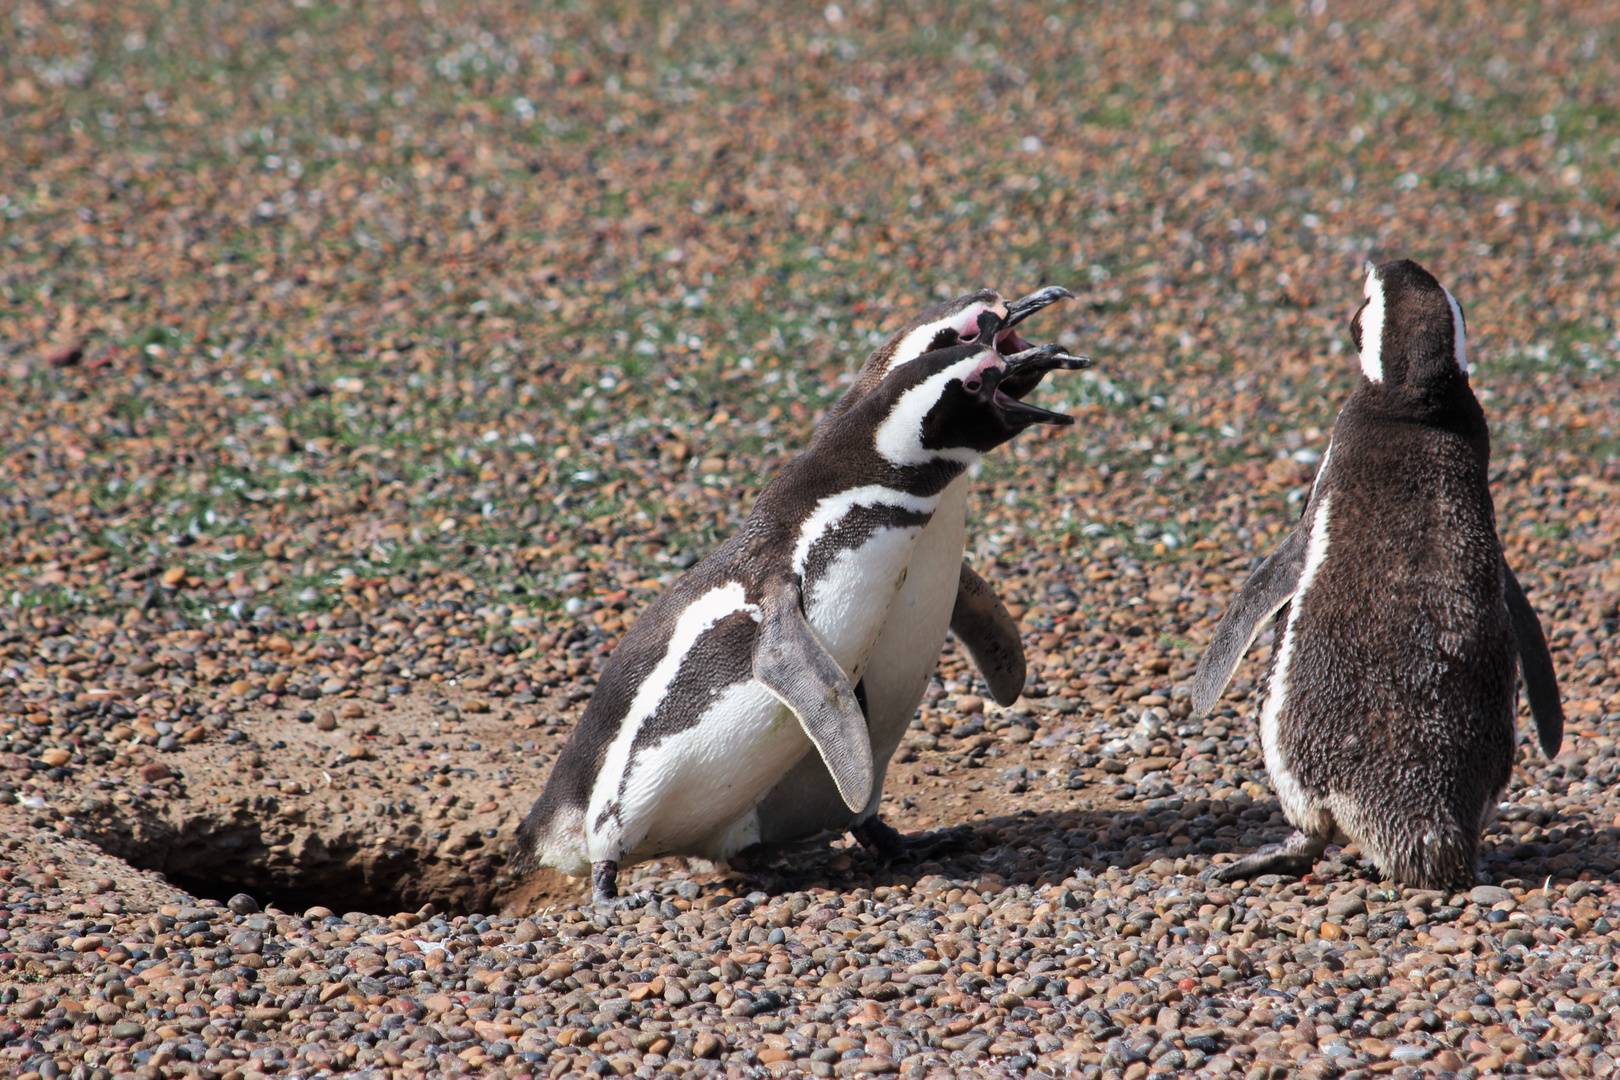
(605, 890)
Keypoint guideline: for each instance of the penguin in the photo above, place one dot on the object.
(1388, 716)
(941, 593)
(750, 660)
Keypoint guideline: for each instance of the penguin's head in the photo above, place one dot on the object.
(953, 404)
(1409, 330)
(950, 323)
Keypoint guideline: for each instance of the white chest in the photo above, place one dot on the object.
(849, 603)
(914, 630)
(854, 551)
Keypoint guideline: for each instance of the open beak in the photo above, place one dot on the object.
(1021, 414)
(1024, 369)
(1025, 306)
(1044, 358)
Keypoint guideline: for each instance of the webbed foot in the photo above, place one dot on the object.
(1295, 856)
(605, 890)
(886, 843)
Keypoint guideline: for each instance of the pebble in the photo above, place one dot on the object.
(944, 972)
(1489, 895)
(1074, 936)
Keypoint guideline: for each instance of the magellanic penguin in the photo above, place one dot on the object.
(941, 593)
(752, 657)
(1388, 716)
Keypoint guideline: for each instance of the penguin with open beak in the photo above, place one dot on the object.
(941, 592)
(751, 660)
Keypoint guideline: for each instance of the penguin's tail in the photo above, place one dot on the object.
(525, 856)
(551, 835)
(1441, 855)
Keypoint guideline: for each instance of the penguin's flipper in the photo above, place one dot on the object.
(1535, 664)
(1270, 587)
(982, 623)
(793, 664)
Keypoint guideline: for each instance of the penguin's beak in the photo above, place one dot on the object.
(1024, 369)
(1010, 343)
(1043, 358)
(1025, 306)
(1017, 414)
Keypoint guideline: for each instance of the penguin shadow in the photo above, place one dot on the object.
(1164, 837)
(1172, 837)
(1538, 844)
(1524, 843)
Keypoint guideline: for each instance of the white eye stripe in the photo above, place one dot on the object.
(899, 436)
(1459, 333)
(1372, 328)
(917, 341)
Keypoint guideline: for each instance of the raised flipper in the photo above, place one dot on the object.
(991, 635)
(1270, 587)
(1535, 664)
(793, 664)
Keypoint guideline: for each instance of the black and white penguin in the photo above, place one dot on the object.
(1388, 717)
(752, 657)
(941, 593)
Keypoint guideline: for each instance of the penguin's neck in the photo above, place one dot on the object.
(1449, 407)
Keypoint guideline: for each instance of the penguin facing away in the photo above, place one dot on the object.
(750, 659)
(1388, 716)
(941, 593)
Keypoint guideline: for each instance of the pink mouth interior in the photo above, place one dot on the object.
(1008, 342)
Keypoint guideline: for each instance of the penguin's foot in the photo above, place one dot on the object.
(887, 845)
(1294, 856)
(605, 889)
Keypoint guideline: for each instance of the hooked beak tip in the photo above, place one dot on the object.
(1025, 306)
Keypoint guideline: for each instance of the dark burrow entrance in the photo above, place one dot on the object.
(332, 865)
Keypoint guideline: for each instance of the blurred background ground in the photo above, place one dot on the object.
(365, 369)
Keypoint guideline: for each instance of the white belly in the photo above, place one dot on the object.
(908, 645)
(850, 602)
(686, 794)
(899, 661)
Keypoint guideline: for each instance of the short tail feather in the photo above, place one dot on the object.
(1446, 857)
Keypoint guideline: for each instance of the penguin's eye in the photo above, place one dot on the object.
(1355, 325)
(969, 335)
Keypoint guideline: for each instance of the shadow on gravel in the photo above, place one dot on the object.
(216, 855)
(1164, 837)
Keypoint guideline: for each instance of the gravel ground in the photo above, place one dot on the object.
(365, 372)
